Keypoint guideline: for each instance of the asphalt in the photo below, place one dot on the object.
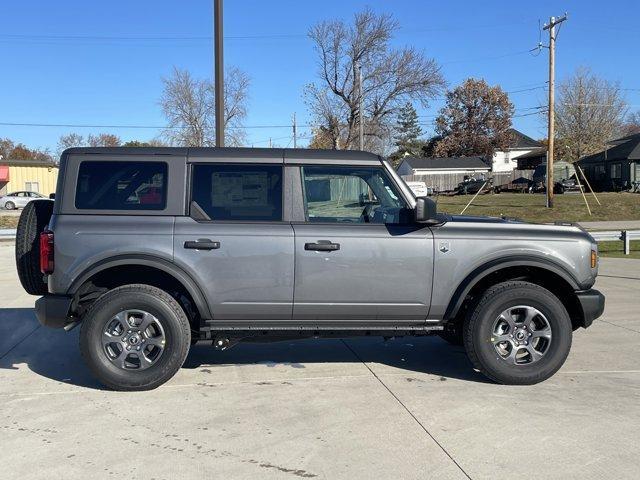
(359, 408)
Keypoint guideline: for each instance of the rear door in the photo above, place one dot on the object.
(360, 259)
(237, 242)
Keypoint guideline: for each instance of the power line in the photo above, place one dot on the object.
(150, 127)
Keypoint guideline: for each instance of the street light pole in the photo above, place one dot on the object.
(219, 72)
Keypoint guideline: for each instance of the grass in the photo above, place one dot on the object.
(614, 249)
(569, 207)
(7, 221)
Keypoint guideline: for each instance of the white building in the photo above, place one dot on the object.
(506, 161)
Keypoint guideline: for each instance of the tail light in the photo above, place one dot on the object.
(46, 252)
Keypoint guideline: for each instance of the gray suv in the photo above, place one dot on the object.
(153, 249)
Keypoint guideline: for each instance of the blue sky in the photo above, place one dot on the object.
(50, 77)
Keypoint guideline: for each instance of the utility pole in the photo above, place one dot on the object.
(360, 107)
(295, 141)
(219, 72)
(551, 26)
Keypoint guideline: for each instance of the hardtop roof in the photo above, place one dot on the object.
(230, 152)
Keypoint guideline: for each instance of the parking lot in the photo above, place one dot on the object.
(360, 408)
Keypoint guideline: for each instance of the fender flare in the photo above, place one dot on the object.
(498, 264)
(148, 261)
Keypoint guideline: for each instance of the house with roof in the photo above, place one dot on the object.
(615, 168)
(443, 173)
(522, 147)
(443, 166)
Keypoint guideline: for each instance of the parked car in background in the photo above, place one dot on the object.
(15, 200)
(473, 185)
(420, 189)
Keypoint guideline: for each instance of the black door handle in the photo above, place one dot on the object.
(202, 244)
(322, 246)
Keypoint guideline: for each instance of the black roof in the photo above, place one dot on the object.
(625, 148)
(520, 140)
(446, 162)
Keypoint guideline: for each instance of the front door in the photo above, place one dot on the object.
(236, 244)
(359, 256)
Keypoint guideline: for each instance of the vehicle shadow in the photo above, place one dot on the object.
(54, 354)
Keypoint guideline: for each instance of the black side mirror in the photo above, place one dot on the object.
(425, 210)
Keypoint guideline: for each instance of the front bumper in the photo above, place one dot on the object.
(54, 310)
(592, 304)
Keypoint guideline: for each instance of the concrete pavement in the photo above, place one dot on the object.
(360, 408)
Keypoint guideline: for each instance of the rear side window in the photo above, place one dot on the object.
(122, 186)
(239, 192)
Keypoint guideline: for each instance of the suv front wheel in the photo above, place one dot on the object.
(135, 337)
(518, 334)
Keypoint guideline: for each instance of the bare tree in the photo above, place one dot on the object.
(631, 124)
(474, 121)
(390, 78)
(69, 140)
(188, 105)
(589, 112)
(104, 140)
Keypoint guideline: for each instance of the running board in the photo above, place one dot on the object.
(223, 327)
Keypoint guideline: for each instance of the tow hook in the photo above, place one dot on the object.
(70, 326)
(224, 343)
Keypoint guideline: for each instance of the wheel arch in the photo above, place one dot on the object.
(138, 268)
(545, 273)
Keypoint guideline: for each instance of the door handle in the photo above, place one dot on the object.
(202, 244)
(322, 246)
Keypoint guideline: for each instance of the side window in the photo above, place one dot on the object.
(238, 192)
(122, 186)
(351, 195)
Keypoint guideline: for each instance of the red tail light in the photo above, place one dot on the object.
(46, 252)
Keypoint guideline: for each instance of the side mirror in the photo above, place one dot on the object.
(425, 210)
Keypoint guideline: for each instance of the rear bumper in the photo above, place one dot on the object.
(592, 303)
(53, 310)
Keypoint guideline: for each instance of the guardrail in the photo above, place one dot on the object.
(7, 234)
(625, 236)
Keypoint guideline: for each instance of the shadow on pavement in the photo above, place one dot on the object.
(54, 354)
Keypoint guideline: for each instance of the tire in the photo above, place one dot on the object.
(172, 321)
(33, 220)
(480, 336)
(9, 206)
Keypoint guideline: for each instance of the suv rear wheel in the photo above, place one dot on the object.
(135, 337)
(518, 334)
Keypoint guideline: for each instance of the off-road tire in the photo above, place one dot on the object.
(478, 332)
(33, 220)
(147, 298)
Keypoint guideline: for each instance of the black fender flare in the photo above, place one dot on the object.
(148, 261)
(498, 264)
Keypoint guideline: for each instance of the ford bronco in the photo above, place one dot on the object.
(150, 250)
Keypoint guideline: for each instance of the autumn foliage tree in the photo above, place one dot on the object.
(9, 150)
(474, 121)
